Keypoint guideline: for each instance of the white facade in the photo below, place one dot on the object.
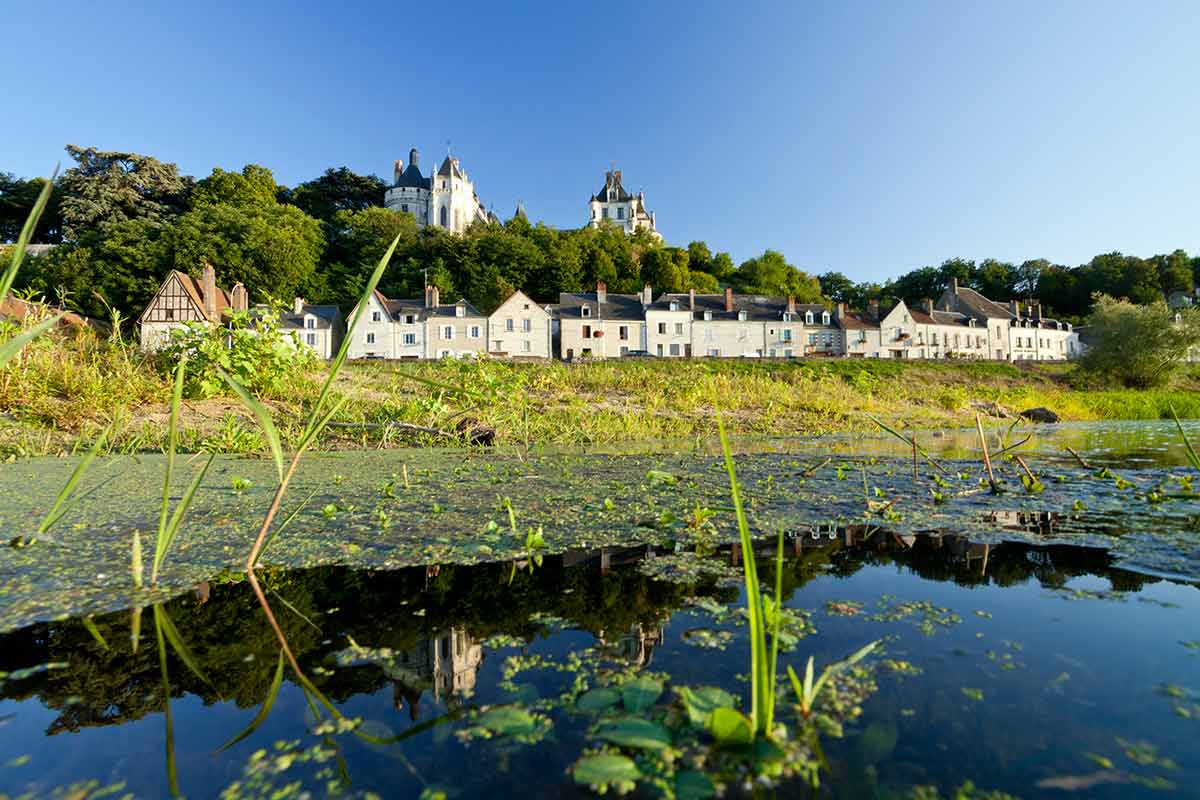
(520, 328)
(446, 199)
(614, 205)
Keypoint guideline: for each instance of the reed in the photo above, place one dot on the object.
(809, 691)
(1193, 459)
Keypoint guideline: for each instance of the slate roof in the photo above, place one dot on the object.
(447, 310)
(450, 168)
(326, 316)
(398, 308)
(981, 306)
(616, 306)
(759, 308)
(612, 180)
(950, 318)
(411, 178)
(856, 321)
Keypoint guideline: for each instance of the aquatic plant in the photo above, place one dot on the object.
(1193, 459)
(168, 526)
(809, 691)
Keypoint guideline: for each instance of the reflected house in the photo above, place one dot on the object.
(447, 664)
(637, 646)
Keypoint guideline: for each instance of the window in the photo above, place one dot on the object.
(662, 328)
(862, 337)
(497, 346)
(311, 338)
(475, 332)
(787, 334)
(623, 350)
(310, 323)
(787, 353)
(409, 319)
(526, 346)
(605, 213)
(812, 339)
(674, 349)
(527, 325)
(659, 349)
(808, 318)
(585, 311)
(707, 316)
(169, 313)
(410, 338)
(508, 324)
(621, 212)
(674, 306)
(623, 333)
(587, 331)
(374, 316)
(715, 353)
(679, 329)
(741, 316)
(370, 338)
(448, 332)
(787, 317)
(460, 311)
(824, 317)
(404, 206)
(445, 213)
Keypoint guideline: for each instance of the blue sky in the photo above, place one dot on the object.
(869, 138)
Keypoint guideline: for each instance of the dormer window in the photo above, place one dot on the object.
(674, 306)
(970, 323)
(460, 311)
(707, 316)
(824, 317)
(787, 317)
(808, 318)
(310, 323)
(585, 311)
(741, 316)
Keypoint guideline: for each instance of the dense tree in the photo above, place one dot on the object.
(253, 187)
(17, 198)
(108, 187)
(1174, 272)
(699, 257)
(1140, 346)
(770, 274)
(336, 190)
(837, 287)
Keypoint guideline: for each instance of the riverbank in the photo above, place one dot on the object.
(59, 395)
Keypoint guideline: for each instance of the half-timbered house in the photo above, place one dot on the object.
(181, 299)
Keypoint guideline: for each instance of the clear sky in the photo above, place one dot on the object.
(869, 138)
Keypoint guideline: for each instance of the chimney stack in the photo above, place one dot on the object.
(208, 285)
(414, 158)
(432, 300)
(602, 293)
(928, 306)
(691, 299)
(954, 285)
(1035, 310)
(728, 300)
(239, 298)
(791, 304)
(1015, 307)
(873, 310)
(298, 306)
(839, 312)
(647, 295)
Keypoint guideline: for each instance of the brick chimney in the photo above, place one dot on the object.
(728, 300)
(298, 306)
(602, 293)
(432, 299)
(928, 306)
(691, 299)
(208, 285)
(647, 295)
(839, 312)
(791, 305)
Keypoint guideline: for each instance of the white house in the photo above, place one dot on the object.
(320, 328)
(418, 329)
(601, 325)
(520, 328)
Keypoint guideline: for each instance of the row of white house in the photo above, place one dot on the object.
(963, 324)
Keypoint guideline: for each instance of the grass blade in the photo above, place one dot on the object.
(10, 274)
(167, 627)
(262, 415)
(135, 561)
(168, 536)
(176, 401)
(1192, 457)
(14, 345)
(910, 442)
(94, 631)
(61, 505)
(770, 720)
(263, 711)
(172, 773)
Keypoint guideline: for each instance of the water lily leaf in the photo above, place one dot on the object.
(597, 700)
(692, 785)
(634, 732)
(730, 728)
(607, 770)
(703, 701)
(640, 693)
(509, 720)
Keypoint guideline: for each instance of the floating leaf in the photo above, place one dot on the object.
(700, 703)
(634, 732)
(607, 770)
(597, 700)
(692, 785)
(640, 693)
(730, 728)
(509, 721)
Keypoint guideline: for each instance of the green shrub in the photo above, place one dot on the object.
(252, 349)
(1139, 346)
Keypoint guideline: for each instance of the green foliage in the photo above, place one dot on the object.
(770, 274)
(1138, 346)
(336, 191)
(253, 351)
(18, 197)
(108, 187)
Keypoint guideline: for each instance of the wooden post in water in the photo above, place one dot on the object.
(987, 459)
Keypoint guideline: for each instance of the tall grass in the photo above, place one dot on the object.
(13, 346)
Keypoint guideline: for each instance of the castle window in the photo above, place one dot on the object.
(404, 207)
(445, 217)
